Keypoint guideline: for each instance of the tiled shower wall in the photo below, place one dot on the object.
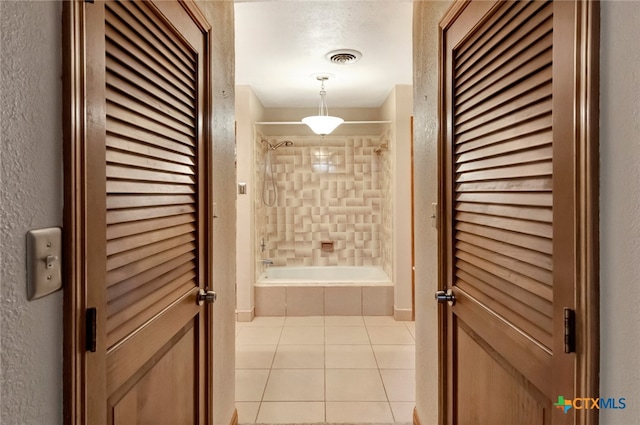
(329, 189)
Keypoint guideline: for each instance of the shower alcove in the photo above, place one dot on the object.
(324, 225)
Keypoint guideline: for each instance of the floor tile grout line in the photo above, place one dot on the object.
(266, 383)
(325, 368)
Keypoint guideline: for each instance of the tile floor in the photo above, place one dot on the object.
(325, 369)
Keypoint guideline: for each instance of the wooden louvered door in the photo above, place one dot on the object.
(508, 240)
(147, 65)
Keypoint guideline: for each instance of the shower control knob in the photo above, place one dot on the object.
(446, 297)
(206, 296)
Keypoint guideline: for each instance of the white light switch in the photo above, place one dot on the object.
(44, 262)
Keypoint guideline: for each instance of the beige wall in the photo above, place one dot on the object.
(220, 16)
(248, 110)
(398, 108)
(426, 15)
(620, 209)
(31, 197)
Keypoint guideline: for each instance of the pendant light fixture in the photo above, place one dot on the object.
(322, 123)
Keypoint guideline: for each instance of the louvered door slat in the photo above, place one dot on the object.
(124, 258)
(133, 44)
(141, 11)
(526, 213)
(527, 248)
(115, 157)
(530, 199)
(533, 127)
(151, 161)
(148, 145)
(137, 315)
(514, 117)
(135, 21)
(527, 324)
(522, 157)
(504, 170)
(542, 168)
(517, 225)
(505, 77)
(524, 142)
(160, 276)
(120, 310)
(495, 23)
(508, 48)
(132, 71)
(531, 184)
(115, 231)
(532, 285)
(138, 174)
(150, 188)
(168, 111)
(526, 269)
(137, 119)
(148, 263)
(128, 215)
(120, 245)
(127, 201)
(537, 88)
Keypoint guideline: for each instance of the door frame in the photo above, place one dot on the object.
(586, 36)
(81, 382)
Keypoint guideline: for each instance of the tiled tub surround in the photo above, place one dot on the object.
(329, 189)
(324, 291)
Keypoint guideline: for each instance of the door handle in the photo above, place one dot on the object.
(206, 296)
(446, 297)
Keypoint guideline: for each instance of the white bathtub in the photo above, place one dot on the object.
(324, 291)
(324, 276)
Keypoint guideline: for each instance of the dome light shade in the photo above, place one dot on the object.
(322, 123)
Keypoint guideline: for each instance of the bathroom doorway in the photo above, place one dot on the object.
(335, 201)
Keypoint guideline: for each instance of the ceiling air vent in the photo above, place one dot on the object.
(344, 56)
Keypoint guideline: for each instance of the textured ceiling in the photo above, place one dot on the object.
(281, 45)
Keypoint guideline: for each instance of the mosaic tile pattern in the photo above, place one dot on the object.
(329, 189)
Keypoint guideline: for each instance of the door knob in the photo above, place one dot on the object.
(206, 296)
(446, 297)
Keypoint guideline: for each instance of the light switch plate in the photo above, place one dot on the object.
(44, 262)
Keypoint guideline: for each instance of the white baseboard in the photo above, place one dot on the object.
(401, 314)
(245, 315)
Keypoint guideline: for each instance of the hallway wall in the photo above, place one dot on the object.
(620, 209)
(426, 15)
(31, 155)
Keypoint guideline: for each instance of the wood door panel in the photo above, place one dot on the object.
(129, 357)
(174, 404)
(519, 351)
(511, 400)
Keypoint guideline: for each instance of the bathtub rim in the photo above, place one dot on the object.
(279, 282)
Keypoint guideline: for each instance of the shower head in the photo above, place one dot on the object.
(283, 143)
